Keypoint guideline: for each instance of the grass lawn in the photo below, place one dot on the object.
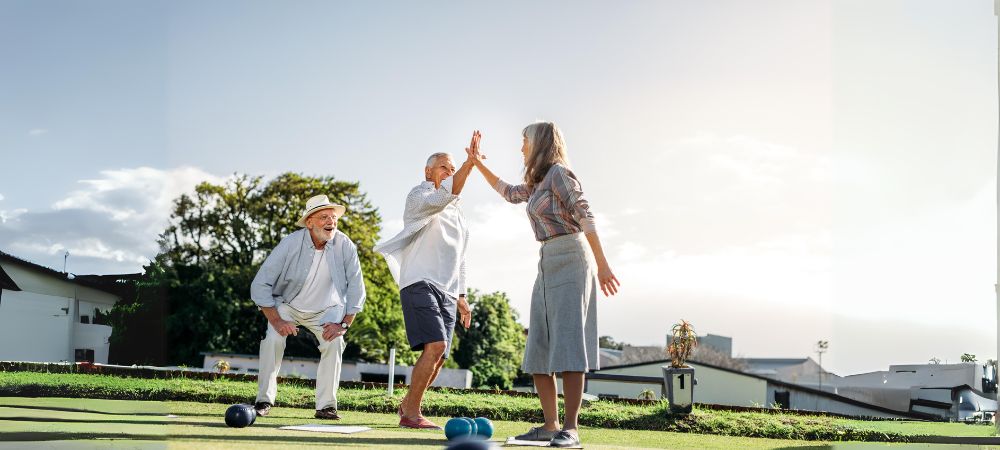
(87, 423)
(30, 411)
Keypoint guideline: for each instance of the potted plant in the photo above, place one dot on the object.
(678, 377)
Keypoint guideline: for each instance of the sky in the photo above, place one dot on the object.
(780, 172)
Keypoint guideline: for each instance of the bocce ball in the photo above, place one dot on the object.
(239, 416)
(458, 428)
(484, 428)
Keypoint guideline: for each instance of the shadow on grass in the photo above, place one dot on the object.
(79, 410)
(127, 422)
(387, 442)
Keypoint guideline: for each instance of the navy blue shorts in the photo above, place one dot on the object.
(429, 315)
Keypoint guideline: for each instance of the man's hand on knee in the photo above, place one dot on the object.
(285, 328)
(282, 326)
(332, 331)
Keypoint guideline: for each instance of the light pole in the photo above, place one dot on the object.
(821, 347)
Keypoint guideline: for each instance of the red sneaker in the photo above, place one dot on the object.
(420, 423)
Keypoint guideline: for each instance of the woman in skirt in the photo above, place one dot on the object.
(562, 329)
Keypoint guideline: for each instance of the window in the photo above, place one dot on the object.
(84, 319)
(84, 354)
(782, 399)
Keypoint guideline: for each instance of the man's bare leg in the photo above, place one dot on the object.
(424, 372)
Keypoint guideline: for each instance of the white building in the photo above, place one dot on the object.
(728, 387)
(951, 391)
(47, 316)
(297, 367)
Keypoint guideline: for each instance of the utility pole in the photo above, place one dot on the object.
(65, 257)
(821, 347)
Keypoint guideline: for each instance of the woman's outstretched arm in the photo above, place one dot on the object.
(513, 194)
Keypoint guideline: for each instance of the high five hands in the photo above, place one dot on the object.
(473, 149)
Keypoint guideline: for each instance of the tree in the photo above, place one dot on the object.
(493, 346)
(218, 237)
(609, 342)
(968, 358)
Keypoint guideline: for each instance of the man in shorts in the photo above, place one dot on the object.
(427, 259)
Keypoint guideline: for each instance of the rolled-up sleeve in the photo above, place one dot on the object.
(511, 193)
(355, 300)
(262, 287)
(570, 193)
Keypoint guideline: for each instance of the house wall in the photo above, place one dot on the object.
(714, 386)
(35, 327)
(935, 375)
(726, 388)
(803, 400)
(48, 309)
(93, 337)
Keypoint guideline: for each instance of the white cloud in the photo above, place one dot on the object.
(10, 215)
(108, 225)
(1, 197)
(37, 131)
(137, 197)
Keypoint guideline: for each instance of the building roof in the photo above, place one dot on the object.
(47, 271)
(6, 282)
(775, 362)
(786, 384)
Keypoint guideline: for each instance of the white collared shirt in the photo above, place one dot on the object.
(433, 242)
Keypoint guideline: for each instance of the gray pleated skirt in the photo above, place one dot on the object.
(562, 328)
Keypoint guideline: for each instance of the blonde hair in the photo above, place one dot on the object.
(547, 147)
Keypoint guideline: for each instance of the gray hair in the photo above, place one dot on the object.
(433, 158)
(548, 148)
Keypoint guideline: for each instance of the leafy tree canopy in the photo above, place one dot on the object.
(218, 237)
(493, 346)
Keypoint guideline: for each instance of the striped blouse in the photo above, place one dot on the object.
(555, 206)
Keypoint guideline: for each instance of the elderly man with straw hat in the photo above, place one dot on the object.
(313, 279)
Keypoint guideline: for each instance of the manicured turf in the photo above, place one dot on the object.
(90, 423)
(605, 423)
(200, 425)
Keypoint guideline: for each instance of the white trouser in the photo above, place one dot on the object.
(272, 349)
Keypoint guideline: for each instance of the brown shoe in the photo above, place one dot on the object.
(327, 413)
(262, 408)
